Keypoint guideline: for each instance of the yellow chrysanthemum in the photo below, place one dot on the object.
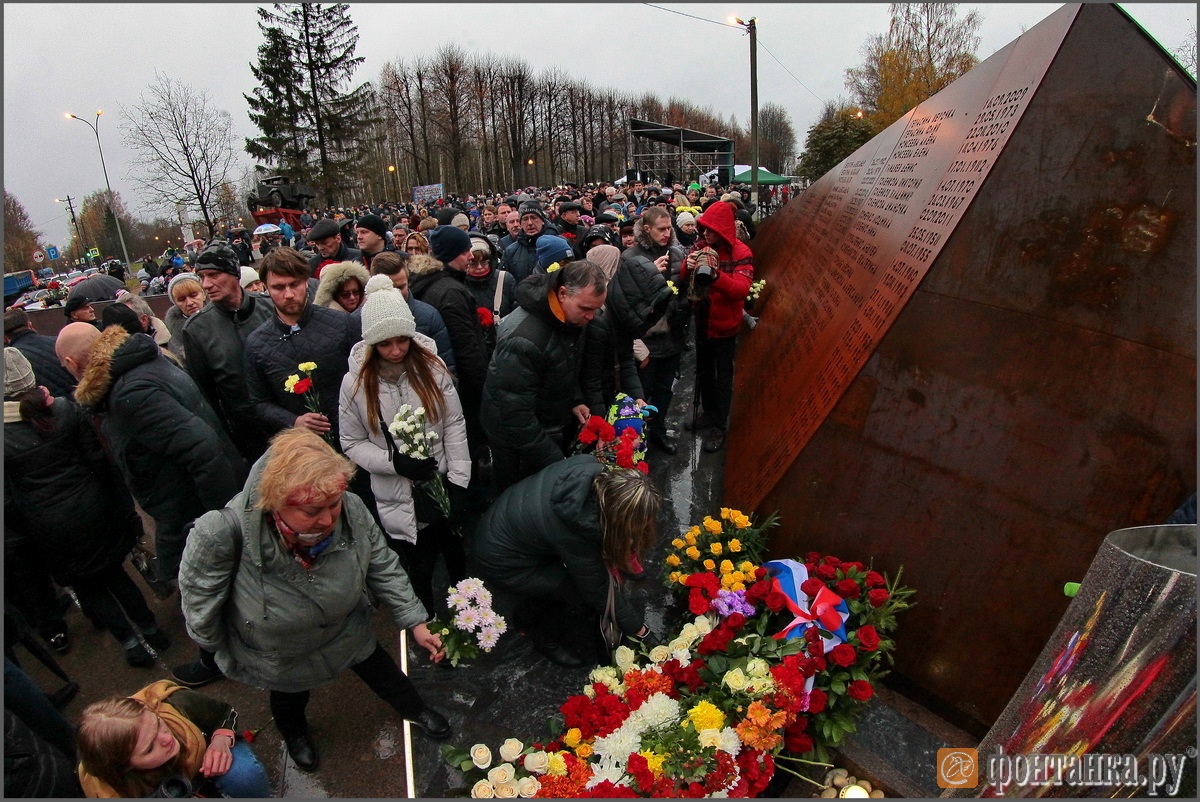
(709, 565)
(712, 526)
(706, 716)
(678, 543)
(735, 545)
(716, 548)
(693, 552)
(740, 521)
(290, 383)
(725, 513)
(654, 761)
(573, 737)
(726, 567)
(557, 766)
(307, 367)
(673, 560)
(583, 751)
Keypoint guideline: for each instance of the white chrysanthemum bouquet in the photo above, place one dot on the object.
(473, 624)
(408, 428)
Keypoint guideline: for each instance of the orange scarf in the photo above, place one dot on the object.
(192, 745)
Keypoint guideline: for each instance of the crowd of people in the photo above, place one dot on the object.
(262, 426)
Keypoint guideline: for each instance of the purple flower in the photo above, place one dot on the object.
(729, 602)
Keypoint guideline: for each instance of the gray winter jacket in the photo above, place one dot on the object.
(275, 625)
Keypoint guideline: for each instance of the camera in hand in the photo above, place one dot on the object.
(705, 275)
(174, 787)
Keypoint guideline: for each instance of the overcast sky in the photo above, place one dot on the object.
(83, 57)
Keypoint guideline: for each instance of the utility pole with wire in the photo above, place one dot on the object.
(78, 230)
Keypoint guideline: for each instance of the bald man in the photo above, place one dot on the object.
(72, 347)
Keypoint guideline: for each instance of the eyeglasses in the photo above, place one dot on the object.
(349, 294)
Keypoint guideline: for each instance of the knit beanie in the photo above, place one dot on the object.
(685, 218)
(18, 373)
(218, 255)
(447, 243)
(249, 276)
(551, 249)
(461, 221)
(445, 217)
(179, 279)
(373, 223)
(385, 313)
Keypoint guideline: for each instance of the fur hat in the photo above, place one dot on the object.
(385, 313)
(551, 249)
(18, 373)
(249, 276)
(447, 243)
(373, 223)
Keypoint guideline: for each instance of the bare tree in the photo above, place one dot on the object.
(185, 146)
(1185, 53)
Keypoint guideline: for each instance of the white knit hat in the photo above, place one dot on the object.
(248, 277)
(385, 313)
(18, 373)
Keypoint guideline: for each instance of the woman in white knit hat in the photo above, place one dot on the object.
(391, 367)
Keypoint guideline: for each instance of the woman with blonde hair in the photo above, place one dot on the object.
(128, 747)
(556, 540)
(392, 367)
(281, 589)
(187, 298)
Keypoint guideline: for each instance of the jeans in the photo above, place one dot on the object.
(714, 376)
(246, 777)
(381, 674)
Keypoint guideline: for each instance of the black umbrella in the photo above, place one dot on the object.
(98, 287)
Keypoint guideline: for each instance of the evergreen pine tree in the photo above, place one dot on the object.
(307, 59)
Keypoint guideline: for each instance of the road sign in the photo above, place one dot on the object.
(52, 252)
(94, 253)
(38, 256)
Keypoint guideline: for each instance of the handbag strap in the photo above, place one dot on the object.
(387, 435)
(499, 296)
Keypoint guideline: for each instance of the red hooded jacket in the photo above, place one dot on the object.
(727, 294)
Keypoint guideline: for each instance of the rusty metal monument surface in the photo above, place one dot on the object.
(977, 354)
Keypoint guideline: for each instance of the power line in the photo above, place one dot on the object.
(691, 16)
(789, 72)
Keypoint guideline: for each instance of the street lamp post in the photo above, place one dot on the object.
(78, 230)
(111, 205)
(752, 28)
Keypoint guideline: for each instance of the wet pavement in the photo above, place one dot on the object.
(510, 692)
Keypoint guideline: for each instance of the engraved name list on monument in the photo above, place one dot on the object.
(872, 228)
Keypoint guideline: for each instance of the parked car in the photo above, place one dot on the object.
(91, 271)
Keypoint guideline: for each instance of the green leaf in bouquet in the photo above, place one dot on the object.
(859, 674)
(791, 646)
(837, 686)
(454, 755)
(718, 665)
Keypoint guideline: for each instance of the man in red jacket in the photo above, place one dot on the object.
(718, 293)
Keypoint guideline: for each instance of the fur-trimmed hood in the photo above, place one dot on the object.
(333, 277)
(421, 264)
(114, 353)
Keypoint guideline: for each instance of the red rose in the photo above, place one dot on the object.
(877, 597)
(819, 663)
(847, 589)
(812, 557)
(874, 580)
(816, 701)
(734, 621)
(868, 638)
(843, 655)
(776, 601)
(831, 560)
(856, 565)
(860, 690)
(760, 572)
(757, 593)
(811, 586)
(826, 572)
(798, 743)
(697, 603)
(303, 386)
(715, 641)
(812, 635)
(248, 736)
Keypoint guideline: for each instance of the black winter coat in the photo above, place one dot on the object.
(533, 379)
(273, 354)
(637, 297)
(47, 370)
(344, 254)
(214, 340)
(520, 258)
(445, 290)
(166, 440)
(62, 494)
(670, 334)
(546, 528)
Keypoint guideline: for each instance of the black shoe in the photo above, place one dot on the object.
(303, 753)
(158, 639)
(559, 654)
(59, 642)
(714, 440)
(138, 656)
(664, 444)
(195, 674)
(698, 423)
(432, 723)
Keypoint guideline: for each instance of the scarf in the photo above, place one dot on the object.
(305, 555)
(192, 745)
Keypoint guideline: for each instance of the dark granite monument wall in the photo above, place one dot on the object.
(977, 352)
